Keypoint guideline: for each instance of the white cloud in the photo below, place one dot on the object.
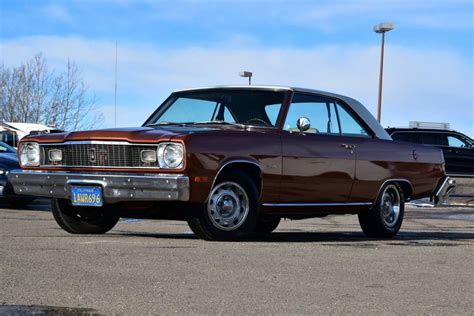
(332, 15)
(419, 83)
(57, 12)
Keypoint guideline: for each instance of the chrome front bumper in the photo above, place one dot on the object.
(445, 187)
(115, 187)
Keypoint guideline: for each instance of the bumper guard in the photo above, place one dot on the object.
(445, 187)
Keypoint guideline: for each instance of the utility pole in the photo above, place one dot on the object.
(115, 94)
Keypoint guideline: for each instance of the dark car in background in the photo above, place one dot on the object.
(457, 148)
(9, 161)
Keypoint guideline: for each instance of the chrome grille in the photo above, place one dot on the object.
(98, 154)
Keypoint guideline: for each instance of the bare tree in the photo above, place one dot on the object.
(32, 93)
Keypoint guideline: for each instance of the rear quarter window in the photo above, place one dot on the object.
(401, 137)
(437, 139)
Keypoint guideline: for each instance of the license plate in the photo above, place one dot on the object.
(86, 196)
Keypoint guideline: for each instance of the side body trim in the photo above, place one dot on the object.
(318, 204)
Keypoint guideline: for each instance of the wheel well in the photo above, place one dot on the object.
(252, 170)
(406, 188)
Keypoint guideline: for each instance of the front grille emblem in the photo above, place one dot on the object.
(92, 155)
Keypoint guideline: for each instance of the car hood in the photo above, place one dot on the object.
(9, 161)
(137, 135)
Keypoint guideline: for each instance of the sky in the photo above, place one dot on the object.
(325, 45)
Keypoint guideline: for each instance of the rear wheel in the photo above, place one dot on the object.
(83, 220)
(385, 218)
(230, 212)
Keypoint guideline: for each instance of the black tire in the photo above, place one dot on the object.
(206, 226)
(379, 222)
(267, 224)
(83, 220)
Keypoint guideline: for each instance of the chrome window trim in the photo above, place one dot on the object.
(355, 105)
(319, 204)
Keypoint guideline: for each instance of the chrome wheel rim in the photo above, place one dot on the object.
(390, 205)
(228, 206)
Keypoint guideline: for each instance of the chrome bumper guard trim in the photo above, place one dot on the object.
(115, 187)
(444, 188)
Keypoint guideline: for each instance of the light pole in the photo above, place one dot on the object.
(382, 28)
(246, 74)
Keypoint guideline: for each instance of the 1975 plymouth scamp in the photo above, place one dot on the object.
(231, 161)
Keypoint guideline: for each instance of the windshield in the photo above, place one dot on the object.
(259, 108)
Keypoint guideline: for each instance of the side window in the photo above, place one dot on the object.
(272, 111)
(320, 111)
(9, 138)
(349, 124)
(433, 139)
(228, 117)
(416, 138)
(401, 136)
(454, 141)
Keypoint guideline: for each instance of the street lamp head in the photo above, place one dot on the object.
(245, 74)
(383, 27)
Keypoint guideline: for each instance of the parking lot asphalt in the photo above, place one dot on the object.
(313, 266)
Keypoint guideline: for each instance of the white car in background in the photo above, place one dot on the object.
(11, 133)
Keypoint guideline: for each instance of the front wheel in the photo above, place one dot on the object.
(83, 220)
(385, 218)
(230, 212)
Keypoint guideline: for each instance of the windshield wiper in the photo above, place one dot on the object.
(163, 123)
(213, 122)
(217, 122)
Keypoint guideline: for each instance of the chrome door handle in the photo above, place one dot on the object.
(348, 146)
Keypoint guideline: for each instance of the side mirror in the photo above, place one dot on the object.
(303, 124)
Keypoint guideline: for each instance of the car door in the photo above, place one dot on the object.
(318, 166)
(370, 154)
(460, 155)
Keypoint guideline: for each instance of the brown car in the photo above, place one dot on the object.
(232, 161)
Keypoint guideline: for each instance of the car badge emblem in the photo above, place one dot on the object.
(92, 155)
